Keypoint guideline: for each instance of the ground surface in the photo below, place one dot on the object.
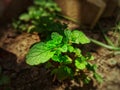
(24, 77)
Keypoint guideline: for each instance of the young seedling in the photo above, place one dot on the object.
(62, 56)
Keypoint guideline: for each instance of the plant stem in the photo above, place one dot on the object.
(106, 37)
(108, 40)
(104, 45)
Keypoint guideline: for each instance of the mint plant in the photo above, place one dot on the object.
(38, 16)
(59, 51)
(62, 56)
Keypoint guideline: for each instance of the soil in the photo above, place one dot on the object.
(14, 47)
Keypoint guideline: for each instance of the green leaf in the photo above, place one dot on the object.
(76, 36)
(87, 80)
(98, 77)
(89, 56)
(62, 59)
(36, 13)
(39, 53)
(56, 58)
(16, 24)
(68, 35)
(56, 40)
(66, 59)
(80, 63)
(47, 4)
(56, 37)
(70, 48)
(63, 48)
(24, 17)
(63, 72)
(30, 28)
(51, 44)
(77, 52)
(79, 37)
(38, 2)
(92, 67)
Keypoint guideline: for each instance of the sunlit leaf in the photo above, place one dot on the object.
(24, 17)
(76, 36)
(79, 37)
(38, 54)
(80, 63)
